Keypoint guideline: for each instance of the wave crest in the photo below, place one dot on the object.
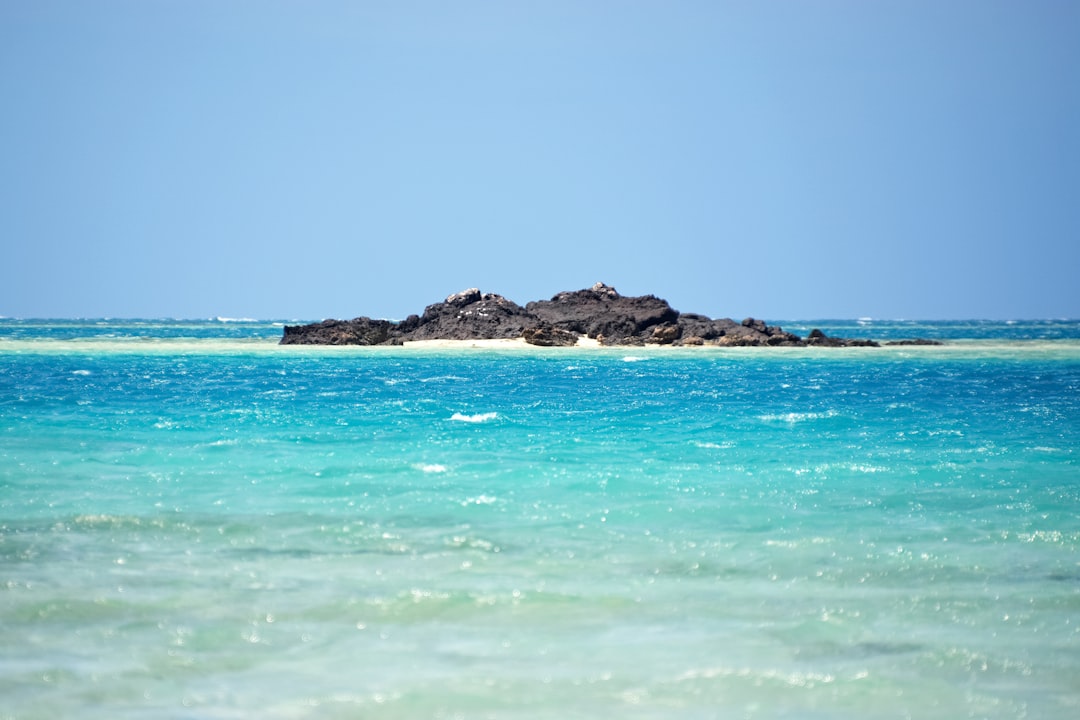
(477, 418)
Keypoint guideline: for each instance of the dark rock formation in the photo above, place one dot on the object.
(469, 315)
(701, 330)
(665, 334)
(548, 336)
(599, 312)
(914, 341)
(603, 314)
(752, 333)
(816, 337)
(361, 331)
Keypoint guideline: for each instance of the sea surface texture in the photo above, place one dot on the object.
(198, 523)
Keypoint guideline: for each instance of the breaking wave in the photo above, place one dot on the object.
(477, 418)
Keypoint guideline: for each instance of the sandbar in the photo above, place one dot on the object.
(491, 344)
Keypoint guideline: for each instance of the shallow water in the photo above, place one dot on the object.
(205, 524)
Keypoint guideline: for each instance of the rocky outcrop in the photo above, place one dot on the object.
(361, 331)
(603, 314)
(468, 315)
(598, 312)
(914, 341)
(818, 338)
(547, 336)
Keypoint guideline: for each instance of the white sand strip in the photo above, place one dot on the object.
(502, 343)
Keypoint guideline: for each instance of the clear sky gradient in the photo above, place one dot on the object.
(299, 160)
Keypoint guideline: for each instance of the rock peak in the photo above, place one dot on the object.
(465, 297)
(605, 290)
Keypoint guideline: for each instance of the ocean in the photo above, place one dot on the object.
(196, 522)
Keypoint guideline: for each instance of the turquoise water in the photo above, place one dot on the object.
(198, 523)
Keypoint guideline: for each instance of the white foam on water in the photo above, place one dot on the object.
(479, 500)
(432, 468)
(827, 468)
(478, 418)
(80, 372)
(797, 417)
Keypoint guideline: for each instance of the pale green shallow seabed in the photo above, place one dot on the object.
(198, 523)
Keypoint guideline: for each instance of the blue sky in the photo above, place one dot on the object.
(787, 160)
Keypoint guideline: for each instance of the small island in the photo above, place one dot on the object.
(599, 314)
